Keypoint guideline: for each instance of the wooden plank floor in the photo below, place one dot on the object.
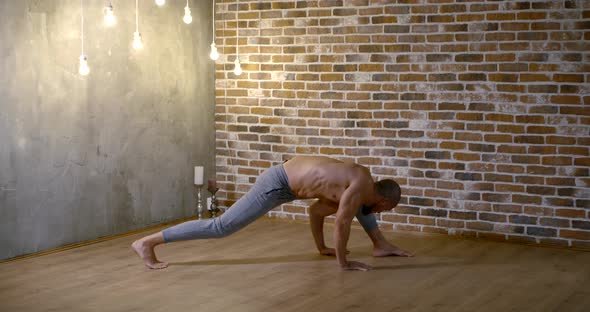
(272, 266)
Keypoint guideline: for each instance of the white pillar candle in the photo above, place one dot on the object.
(198, 175)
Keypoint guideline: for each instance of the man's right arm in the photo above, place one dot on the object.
(350, 200)
(317, 212)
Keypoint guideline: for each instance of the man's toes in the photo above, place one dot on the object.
(158, 265)
(162, 265)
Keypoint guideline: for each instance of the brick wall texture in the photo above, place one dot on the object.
(479, 109)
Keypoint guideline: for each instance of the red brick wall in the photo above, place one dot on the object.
(480, 109)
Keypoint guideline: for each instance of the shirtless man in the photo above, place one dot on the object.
(343, 188)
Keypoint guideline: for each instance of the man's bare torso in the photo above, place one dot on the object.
(324, 178)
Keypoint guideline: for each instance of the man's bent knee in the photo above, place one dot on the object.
(222, 229)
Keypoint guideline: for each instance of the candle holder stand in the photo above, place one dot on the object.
(199, 210)
(212, 188)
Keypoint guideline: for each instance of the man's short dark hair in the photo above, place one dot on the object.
(388, 188)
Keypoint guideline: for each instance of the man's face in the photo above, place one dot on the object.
(384, 204)
(381, 205)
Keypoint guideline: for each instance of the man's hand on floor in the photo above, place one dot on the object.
(330, 252)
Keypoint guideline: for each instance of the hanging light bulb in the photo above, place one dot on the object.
(188, 18)
(160, 2)
(237, 67)
(109, 15)
(137, 42)
(83, 69)
(214, 55)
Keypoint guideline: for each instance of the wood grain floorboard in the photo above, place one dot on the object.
(272, 266)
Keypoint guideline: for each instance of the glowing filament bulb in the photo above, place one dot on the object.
(84, 70)
(187, 15)
(160, 2)
(137, 43)
(238, 67)
(214, 55)
(109, 16)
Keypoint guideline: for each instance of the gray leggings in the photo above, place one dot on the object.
(270, 190)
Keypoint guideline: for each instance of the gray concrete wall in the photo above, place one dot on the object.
(85, 157)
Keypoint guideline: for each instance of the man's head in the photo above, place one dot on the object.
(388, 194)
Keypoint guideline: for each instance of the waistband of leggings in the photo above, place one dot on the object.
(283, 178)
(282, 175)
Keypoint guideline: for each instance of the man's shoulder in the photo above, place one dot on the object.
(358, 179)
(357, 171)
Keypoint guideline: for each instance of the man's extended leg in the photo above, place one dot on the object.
(381, 247)
(249, 208)
(270, 190)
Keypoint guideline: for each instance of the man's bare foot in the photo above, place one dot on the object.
(390, 250)
(145, 251)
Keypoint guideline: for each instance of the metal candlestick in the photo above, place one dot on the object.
(199, 202)
(213, 210)
(212, 188)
